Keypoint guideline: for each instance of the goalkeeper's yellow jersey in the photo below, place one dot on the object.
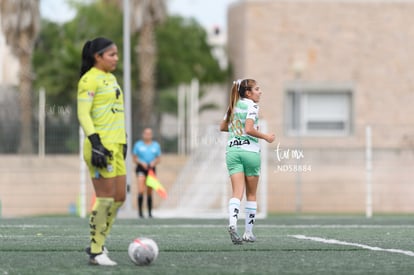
(101, 106)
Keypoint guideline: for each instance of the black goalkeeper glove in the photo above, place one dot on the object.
(99, 152)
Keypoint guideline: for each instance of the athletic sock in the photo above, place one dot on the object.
(140, 200)
(98, 223)
(111, 216)
(250, 208)
(234, 209)
(149, 205)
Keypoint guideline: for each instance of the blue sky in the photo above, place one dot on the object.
(208, 13)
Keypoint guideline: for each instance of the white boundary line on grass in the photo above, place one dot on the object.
(333, 241)
(201, 225)
(275, 226)
(339, 226)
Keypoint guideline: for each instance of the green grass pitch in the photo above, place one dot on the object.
(55, 245)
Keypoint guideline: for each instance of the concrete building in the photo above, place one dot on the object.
(328, 69)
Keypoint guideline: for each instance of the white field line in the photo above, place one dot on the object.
(275, 226)
(333, 241)
(38, 235)
(281, 226)
(339, 226)
(24, 226)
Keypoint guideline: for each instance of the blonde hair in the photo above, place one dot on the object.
(238, 90)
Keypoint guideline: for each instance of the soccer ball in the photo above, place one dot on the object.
(143, 251)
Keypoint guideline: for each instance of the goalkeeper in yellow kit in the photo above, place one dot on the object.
(101, 116)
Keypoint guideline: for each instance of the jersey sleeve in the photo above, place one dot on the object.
(158, 150)
(252, 111)
(135, 149)
(86, 93)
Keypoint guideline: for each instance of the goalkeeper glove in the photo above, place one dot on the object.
(99, 152)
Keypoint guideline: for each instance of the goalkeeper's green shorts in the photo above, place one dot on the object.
(242, 161)
(116, 164)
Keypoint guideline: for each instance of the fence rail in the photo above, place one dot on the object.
(350, 174)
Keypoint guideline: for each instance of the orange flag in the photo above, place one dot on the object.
(155, 184)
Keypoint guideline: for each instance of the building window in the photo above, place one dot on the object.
(318, 111)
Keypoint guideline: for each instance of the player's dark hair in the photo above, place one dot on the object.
(92, 47)
(238, 90)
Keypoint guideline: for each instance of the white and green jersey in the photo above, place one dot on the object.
(238, 139)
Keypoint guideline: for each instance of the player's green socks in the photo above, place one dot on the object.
(250, 208)
(98, 223)
(111, 216)
(234, 209)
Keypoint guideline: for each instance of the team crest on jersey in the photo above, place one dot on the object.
(91, 93)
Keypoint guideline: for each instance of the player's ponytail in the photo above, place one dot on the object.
(234, 97)
(87, 59)
(92, 47)
(238, 90)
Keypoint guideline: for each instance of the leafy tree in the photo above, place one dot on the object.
(58, 50)
(20, 24)
(183, 54)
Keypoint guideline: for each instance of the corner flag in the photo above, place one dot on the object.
(155, 184)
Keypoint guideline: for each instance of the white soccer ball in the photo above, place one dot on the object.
(143, 251)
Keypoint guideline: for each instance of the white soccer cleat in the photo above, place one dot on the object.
(234, 236)
(105, 250)
(249, 237)
(101, 259)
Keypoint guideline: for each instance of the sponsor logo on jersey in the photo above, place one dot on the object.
(239, 142)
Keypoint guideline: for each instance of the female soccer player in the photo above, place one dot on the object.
(146, 154)
(101, 115)
(243, 153)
